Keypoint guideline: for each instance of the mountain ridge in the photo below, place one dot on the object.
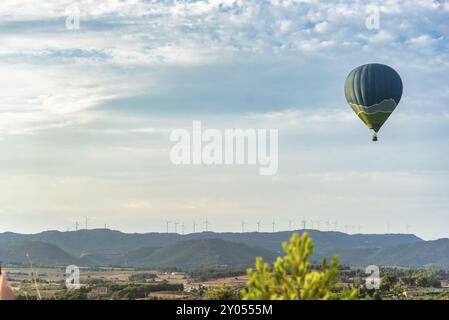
(104, 247)
(105, 241)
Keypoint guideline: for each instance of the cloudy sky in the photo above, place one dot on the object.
(86, 114)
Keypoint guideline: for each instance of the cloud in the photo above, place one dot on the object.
(382, 37)
(98, 103)
(297, 117)
(191, 31)
(322, 27)
(123, 48)
(36, 98)
(422, 40)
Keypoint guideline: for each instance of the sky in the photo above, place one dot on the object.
(86, 114)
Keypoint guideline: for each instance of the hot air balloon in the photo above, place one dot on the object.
(373, 91)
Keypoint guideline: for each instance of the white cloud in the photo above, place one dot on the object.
(129, 37)
(185, 53)
(285, 25)
(295, 118)
(422, 40)
(36, 98)
(193, 32)
(382, 37)
(322, 27)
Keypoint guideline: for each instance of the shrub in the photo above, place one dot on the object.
(223, 293)
(291, 277)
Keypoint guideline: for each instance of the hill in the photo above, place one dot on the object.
(206, 253)
(103, 247)
(425, 253)
(40, 253)
(183, 254)
(110, 242)
(132, 258)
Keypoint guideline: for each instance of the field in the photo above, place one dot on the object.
(112, 283)
(150, 284)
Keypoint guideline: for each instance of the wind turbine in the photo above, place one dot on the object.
(290, 225)
(304, 223)
(274, 225)
(194, 226)
(207, 224)
(258, 226)
(167, 223)
(182, 227)
(243, 226)
(328, 225)
(176, 226)
(407, 227)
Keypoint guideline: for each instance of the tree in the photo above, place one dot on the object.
(222, 293)
(292, 278)
(427, 281)
(390, 283)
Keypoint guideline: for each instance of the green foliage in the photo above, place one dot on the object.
(395, 282)
(199, 292)
(132, 292)
(223, 293)
(292, 277)
(138, 291)
(80, 294)
(129, 291)
(427, 281)
(390, 283)
(142, 277)
(205, 274)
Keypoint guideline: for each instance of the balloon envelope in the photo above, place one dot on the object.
(373, 91)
